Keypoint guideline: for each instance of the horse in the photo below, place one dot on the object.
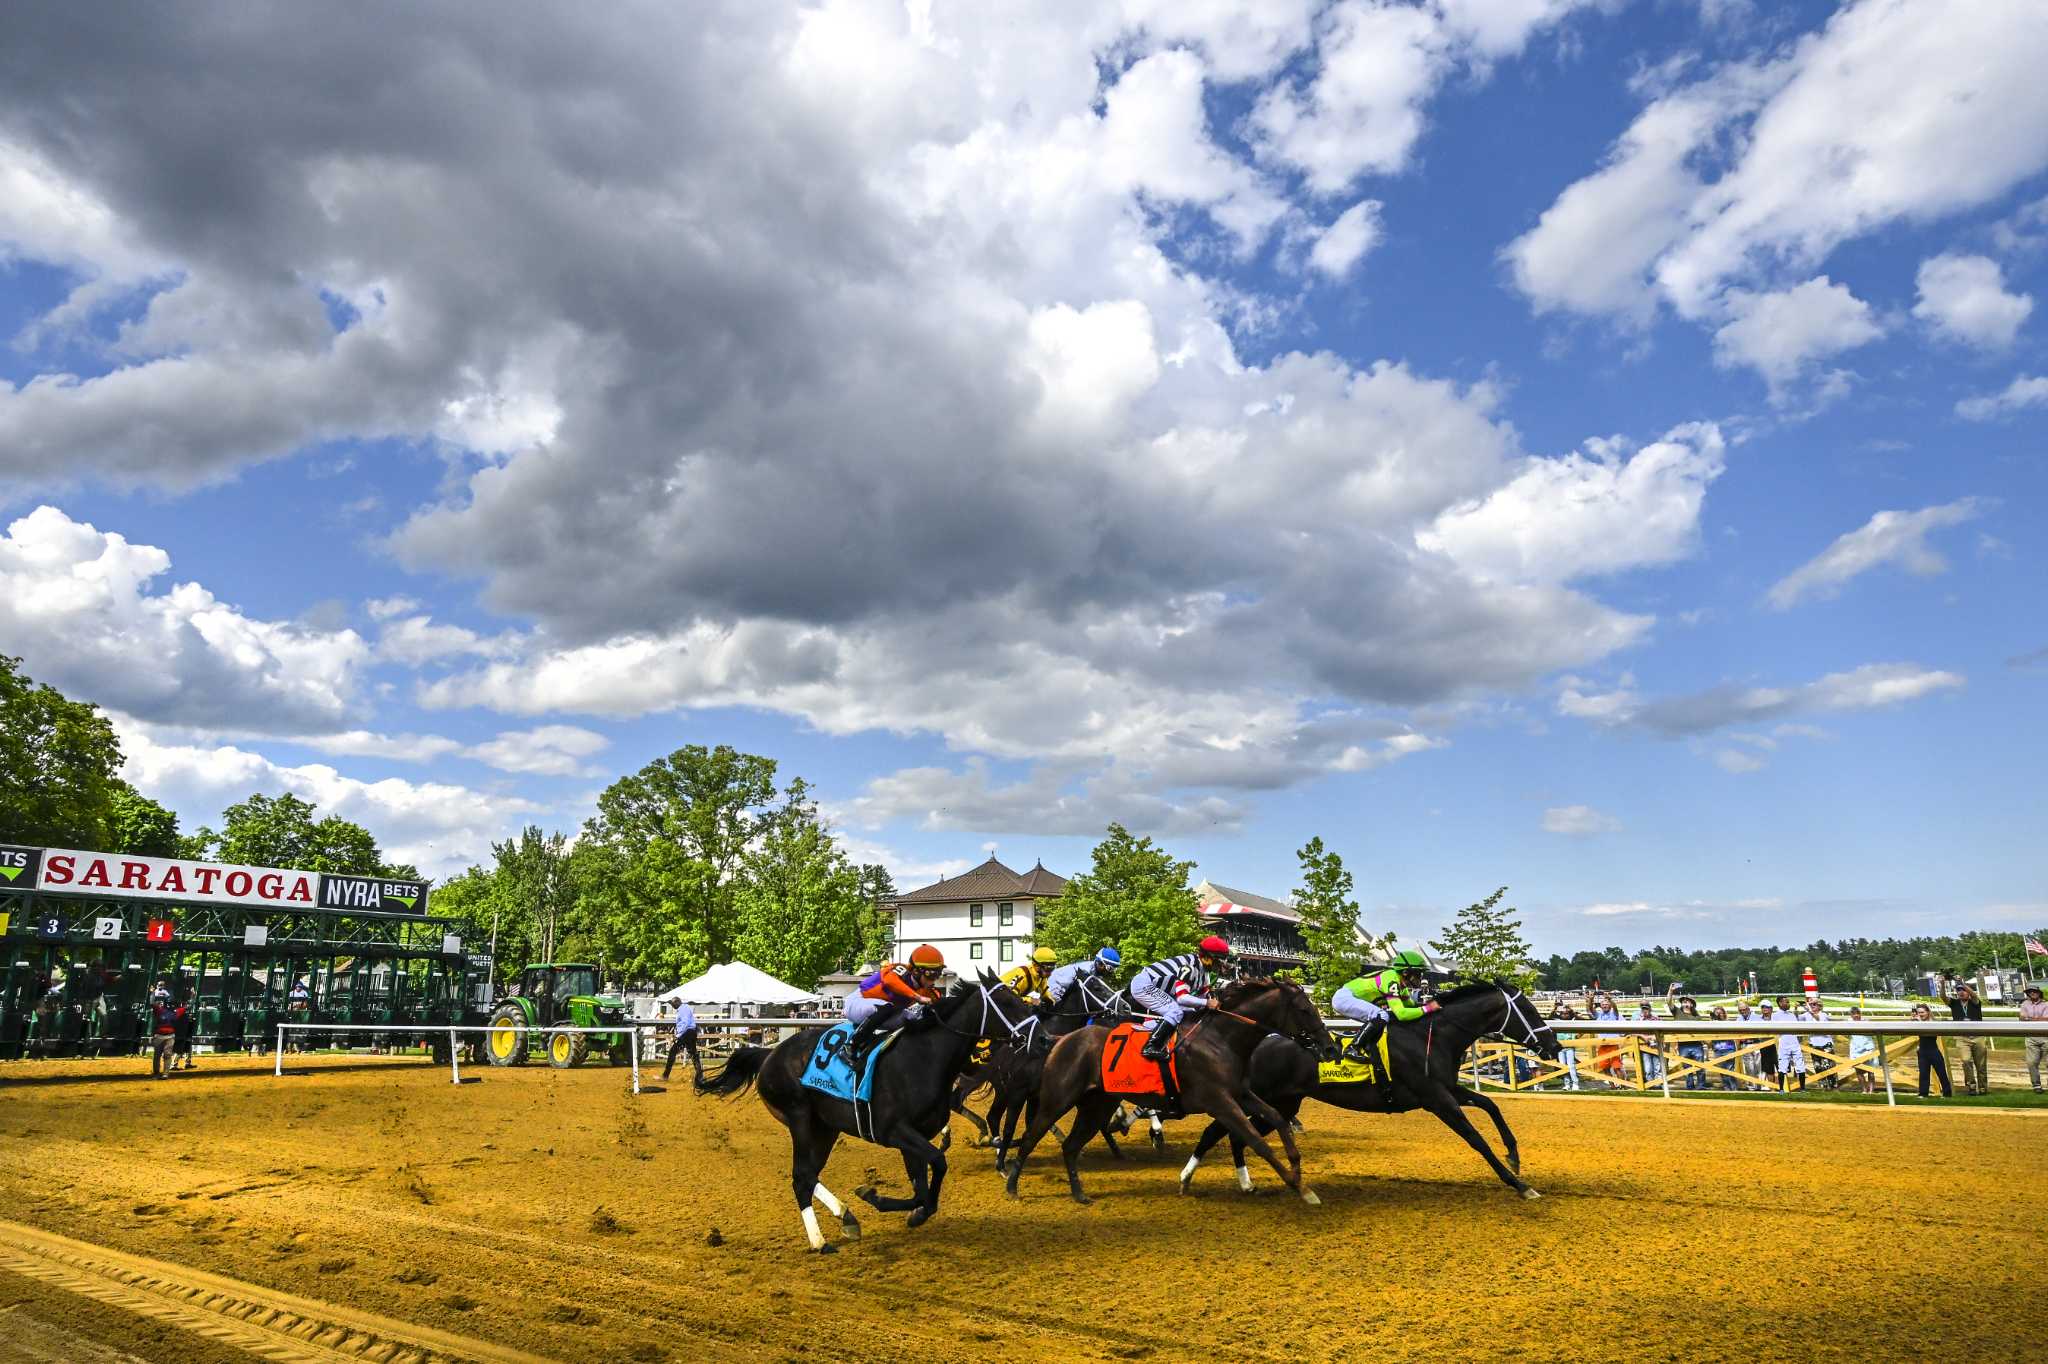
(1425, 1056)
(912, 1082)
(1211, 1057)
(1015, 1077)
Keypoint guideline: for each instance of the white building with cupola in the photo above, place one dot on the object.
(983, 917)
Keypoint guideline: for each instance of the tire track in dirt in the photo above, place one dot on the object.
(263, 1322)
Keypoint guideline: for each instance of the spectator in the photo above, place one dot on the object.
(1562, 1013)
(1607, 1056)
(1724, 1047)
(163, 1032)
(1689, 1008)
(685, 1040)
(1930, 1054)
(1860, 1046)
(1791, 1049)
(1972, 1053)
(1752, 1063)
(299, 1008)
(1649, 1047)
(2034, 1009)
(1767, 1055)
(1823, 1065)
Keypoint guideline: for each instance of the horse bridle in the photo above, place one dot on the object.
(988, 1006)
(1515, 1000)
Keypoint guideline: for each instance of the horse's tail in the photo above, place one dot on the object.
(738, 1073)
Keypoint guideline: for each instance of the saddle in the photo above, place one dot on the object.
(1125, 1069)
(1356, 1072)
(829, 1071)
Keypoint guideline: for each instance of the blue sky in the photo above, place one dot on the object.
(1581, 445)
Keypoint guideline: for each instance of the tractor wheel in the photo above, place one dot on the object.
(505, 1043)
(568, 1049)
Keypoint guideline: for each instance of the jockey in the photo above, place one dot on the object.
(1029, 979)
(1106, 962)
(1374, 998)
(887, 998)
(1154, 987)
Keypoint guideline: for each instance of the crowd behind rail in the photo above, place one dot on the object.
(1771, 1060)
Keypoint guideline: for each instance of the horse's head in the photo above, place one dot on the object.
(1282, 1006)
(1523, 1025)
(1003, 1012)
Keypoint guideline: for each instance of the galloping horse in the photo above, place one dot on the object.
(1425, 1057)
(1015, 1077)
(912, 1080)
(1211, 1058)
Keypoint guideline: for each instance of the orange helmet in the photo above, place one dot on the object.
(925, 957)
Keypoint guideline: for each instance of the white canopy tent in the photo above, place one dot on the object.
(735, 982)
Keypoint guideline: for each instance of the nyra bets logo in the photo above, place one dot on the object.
(18, 867)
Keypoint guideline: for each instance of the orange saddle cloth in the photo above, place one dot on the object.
(1126, 1070)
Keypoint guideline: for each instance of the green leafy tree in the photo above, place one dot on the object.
(878, 917)
(1487, 944)
(1134, 895)
(660, 862)
(535, 874)
(58, 764)
(280, 831)
(139, 825)
(1329, 921)
(799, 899)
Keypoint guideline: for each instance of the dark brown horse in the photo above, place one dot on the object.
(1211, 1058)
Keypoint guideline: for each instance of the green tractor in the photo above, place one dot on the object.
(549, 999)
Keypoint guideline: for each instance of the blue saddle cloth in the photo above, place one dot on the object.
(829, 1073)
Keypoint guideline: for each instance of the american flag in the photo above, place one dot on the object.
(2034, 948)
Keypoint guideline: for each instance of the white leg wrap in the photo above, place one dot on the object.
(1244, 1179)
(1157, 1126)
(824, 1195)
(1187, 1171)
(816, 1237)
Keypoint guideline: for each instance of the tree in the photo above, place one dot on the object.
(139, 825)
(799, 899)
(1486, 944)
(1135, 896)
(535, 875)
(1329, 921)
(58, 764)
(878, 917)
(659, 863)
(280, 831)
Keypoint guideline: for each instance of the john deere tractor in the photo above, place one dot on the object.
(548, 1000)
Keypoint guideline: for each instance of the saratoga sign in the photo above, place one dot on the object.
(72, 871)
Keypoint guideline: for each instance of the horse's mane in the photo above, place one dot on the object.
(1230, 992)
(1465, 989)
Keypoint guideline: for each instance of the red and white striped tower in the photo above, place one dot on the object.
(1811, 985)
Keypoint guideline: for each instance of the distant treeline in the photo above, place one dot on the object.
(1849, 965)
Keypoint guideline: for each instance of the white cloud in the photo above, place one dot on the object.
(76, 605)
(1736, 761)
(1868, 687)
(1561, 519)
(1889, 537)
(2025, 391)
(384, 608)
(439, 827)
(1779, 334)
(417, 639)
(1346, 241)
(1964, 298)
(548, 751)
(1579, 821)
(362, 743)
(1753, 172)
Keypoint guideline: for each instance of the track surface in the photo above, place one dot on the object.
(373, 1210)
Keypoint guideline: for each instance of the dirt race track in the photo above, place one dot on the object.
(370, 1209)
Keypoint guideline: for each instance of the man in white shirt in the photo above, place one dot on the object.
(1823, 1068)
(1791, 1050)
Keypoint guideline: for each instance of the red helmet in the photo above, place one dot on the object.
(1213, 946)
(925, 957)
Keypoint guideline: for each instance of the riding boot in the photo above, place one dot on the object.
(1162, 1035)
(1362, 1046)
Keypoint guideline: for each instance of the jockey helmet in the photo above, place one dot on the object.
(1408, 959)
(1045, 956)
(925, 957)
(1108, 958)
(1213, 946)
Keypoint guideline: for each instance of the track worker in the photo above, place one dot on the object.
(163, 1033)
(1153, 987)
(1105, 962)
(1028, 980)
(887, 998)
(684, 1040)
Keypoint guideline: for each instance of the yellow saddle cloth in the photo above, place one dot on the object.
(1353, 1072)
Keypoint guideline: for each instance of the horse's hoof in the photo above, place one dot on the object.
(1530, 1193)
(828, 1249)
(921, 1216)
(848, 1225)
(1308, 1196)
(1084, 1200)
